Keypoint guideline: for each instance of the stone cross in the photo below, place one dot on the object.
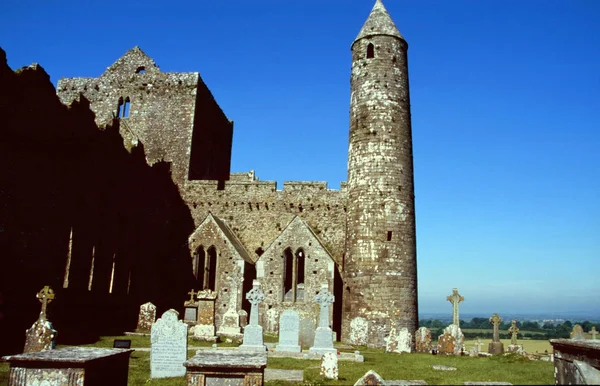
(593, 332)
(479, 344)
(192, 293)
(255, 297)
(45, 296)
(514, 330)
(324, 298)
(495, 320)
(455, 298)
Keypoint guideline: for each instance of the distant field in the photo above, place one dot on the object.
(476, 330)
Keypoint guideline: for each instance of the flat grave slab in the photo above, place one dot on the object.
(72, 366)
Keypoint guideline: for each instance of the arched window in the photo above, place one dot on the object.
(370, 51)
(199, 264)
(120, 108)
(293, 275)
(210, 273)
(126, 108)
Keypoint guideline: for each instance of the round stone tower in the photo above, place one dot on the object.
(380, 264)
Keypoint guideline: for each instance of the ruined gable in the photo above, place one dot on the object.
(167, 112)
(292, 270)
(220, 263)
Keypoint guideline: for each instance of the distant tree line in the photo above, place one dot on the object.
(528, 329)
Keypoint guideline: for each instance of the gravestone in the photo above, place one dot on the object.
(358, 357)
(190, 315)
(576, 362)
(451, 341)
(359, 331)
(593, 332)
(577, 333)
(205, 324)
(423, 340)
(371, 378)
(168, 349)
(514, 330)
(289, 330)
(329, 365)
(146, 317)
(323, 335)
(71, 366)
(474, 352)
(230, 322)
(42, 335)
(308, 325)
(455, 298)
(243, 318)
(253, 333)
(399, 340)
(496, 347)
(226, 368)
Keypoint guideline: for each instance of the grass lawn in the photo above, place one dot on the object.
(512, 368)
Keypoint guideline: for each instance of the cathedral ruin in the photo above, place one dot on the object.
(146, 207)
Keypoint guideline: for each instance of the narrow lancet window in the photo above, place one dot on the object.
(370, 51)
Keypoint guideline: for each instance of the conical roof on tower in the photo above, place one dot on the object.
(379, 22)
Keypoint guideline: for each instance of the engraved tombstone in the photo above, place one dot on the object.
(289, 330)
(423, 340)
(577, 333)
(190, 315)
(253, 332)
(496, 347)
(169, 346)
(146, 317)
(323, 335)
(205, 325)
(41, 336)
(399, 340)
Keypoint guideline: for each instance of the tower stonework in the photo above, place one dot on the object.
(380, 273)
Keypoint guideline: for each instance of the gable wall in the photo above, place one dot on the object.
(230, 268)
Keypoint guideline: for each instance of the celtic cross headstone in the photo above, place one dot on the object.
(593, 332)
(323, 335)
(253, 332)
(514, 330)
(455, 298)
(42, 335)
(496, 347)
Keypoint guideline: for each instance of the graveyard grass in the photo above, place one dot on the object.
(510, 368)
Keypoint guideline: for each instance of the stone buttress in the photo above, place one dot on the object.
(380, 276)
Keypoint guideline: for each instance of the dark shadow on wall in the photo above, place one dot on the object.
(64, 182)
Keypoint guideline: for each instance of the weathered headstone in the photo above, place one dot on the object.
(243, 318)
(205, 325)
(329, 365)
(576, 362)
(190, 316)
(146, 317)
(577, 333)
(253, 332)
(593, 332)
(514, 330)
(289, 329)
(358, 357)
(230, 322)
(41, 336)
(474, 352)
(226, 368)
(359, 331)
(496, 347)
(308, 326)
(323, 335)
(455, 298)
(371, 378)
(399, 340)
(423, 340)
(451, 341)
(168, 349)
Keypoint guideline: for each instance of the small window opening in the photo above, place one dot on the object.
(124, 107)
(370, 51)
(140, 70)
(389, 236)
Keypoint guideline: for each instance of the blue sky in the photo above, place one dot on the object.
(505, 105)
